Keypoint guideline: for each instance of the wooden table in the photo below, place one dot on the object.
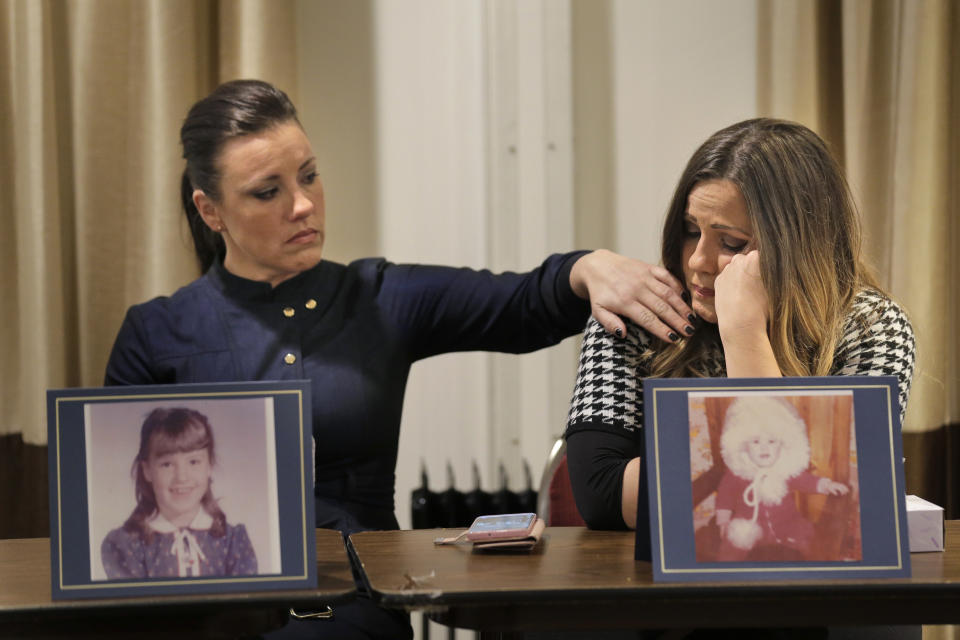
(27, 611)
(581, 579)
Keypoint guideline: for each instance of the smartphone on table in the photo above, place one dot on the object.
(504, 526)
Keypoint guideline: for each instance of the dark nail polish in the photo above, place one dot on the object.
(619, 332)
(689, 330)
(673, 337)
(691, 317)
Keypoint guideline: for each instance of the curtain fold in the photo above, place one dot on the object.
(878, 80)
(92, 95)
(256, 40)
(38, 219)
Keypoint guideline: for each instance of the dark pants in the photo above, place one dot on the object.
(359, 619)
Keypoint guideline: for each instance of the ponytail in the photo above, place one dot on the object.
(207, 244)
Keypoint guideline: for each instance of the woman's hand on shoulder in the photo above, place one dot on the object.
(619, 287)
(741, 299)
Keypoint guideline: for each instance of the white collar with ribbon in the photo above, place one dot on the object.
(185, 545)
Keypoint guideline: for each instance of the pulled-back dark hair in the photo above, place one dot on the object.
(165, 431)
(235, 108)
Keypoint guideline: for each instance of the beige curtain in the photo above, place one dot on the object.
(880, 80)
(92, 95)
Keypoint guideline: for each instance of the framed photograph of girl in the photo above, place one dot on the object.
(199, 488)
(775, 479)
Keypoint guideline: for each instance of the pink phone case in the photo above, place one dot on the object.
(525, 543)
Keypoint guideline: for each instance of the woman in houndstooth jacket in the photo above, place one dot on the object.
(764, 235)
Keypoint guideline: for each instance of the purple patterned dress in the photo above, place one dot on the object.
(178, 552)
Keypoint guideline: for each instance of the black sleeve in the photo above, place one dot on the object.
(606, 415)
(596, 458)
(443, 309)
(130, 359)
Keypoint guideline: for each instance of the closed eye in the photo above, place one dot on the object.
(265, 194)
(735, 248)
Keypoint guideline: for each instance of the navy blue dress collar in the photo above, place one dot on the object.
(319, 283)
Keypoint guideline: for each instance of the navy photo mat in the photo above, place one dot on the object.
(667, 506)
(70, 556)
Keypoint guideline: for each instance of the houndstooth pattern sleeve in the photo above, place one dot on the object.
(877, 341)
(609, 387)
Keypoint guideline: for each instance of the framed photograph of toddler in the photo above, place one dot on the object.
(200, 488)
(773, 479)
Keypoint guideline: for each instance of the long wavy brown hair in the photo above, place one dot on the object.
(806, 229)
(164, 431)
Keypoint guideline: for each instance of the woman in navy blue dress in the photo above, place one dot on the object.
(268, 307)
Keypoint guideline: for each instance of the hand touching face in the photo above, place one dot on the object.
(741, 302)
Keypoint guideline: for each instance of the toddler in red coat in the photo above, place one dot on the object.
(766, 450)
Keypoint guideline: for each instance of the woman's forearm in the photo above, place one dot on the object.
(631, 486)
(750, 357)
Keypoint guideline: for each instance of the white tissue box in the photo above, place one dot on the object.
(925, 524)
